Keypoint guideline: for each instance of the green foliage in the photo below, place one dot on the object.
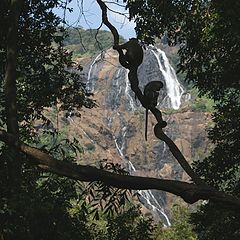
(46, 206)
(43, 78)
(52, 207)
(57, 144)
(88, 42)
(90, 146)
(208, 33)
(196, 104)
(40, 209)
(106, 198)
(181, 227)
(201, 104)
(130, 225)
(221, 170)
(216, 223)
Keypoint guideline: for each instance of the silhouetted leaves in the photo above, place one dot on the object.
(106, 198)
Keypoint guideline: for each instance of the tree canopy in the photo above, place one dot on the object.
(208, 35)
(34, 75)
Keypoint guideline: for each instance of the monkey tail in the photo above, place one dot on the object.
(146, 123)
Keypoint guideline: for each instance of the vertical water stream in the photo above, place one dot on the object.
(121, 87)
(145, 196)
(128, 91)
(174, 88)
(91, 81)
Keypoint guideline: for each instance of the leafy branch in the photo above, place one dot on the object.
(188, 191)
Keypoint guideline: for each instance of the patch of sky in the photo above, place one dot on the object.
(87, 14)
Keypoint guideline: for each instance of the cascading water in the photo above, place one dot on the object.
(145, 196)
(90, 84)
(128, 96)
(120, 87)
(149, 199)
(174, 89)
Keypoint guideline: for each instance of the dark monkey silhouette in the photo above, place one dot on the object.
(151, 92)
(133, 56)
(131, 59)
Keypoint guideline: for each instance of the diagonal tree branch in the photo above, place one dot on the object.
(177, 154)
(188, 191)
(114, 31)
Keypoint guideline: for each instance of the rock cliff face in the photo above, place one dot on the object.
(115, 129)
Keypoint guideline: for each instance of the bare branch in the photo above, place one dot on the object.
(111, 10)
(116, 3)
(107, 23)
(188, 191)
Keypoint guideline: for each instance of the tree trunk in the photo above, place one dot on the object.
(13, 162)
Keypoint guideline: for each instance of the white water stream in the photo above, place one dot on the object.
(90, 84)
(117, 82)
(127, 92)
(149, 199)
(146, 195)
(172, 100)
(174, 89)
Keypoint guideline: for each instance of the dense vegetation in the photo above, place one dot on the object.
(39, 205)
(35, 204)
(209, 37)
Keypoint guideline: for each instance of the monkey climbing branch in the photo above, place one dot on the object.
(133, 78)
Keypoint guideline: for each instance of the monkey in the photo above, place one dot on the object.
(131, 59)
(151, 92)
(133, 56)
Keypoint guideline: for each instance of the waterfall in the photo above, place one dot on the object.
(150, 201)
(113, 98)
(90, 84)
(154, 205)
(120, 87)
(128, 92)
(174, 89)
(145, 196)
(118, 83)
